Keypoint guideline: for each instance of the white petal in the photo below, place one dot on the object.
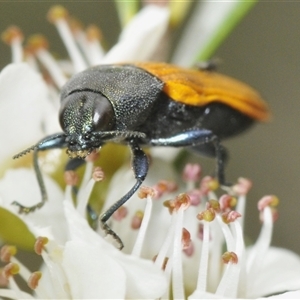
(206, 20)
(280, 273)
(21, 185)
(141, 37)
(144, 280)
(288, 295)
(24, 107)
(91, 273)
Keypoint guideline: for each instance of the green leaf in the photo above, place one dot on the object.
(14, 231)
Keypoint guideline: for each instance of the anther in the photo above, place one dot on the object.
(195, 197)
(230, 216)
(207, 215)
(213, 204)
(191, 172)
(37, 42)
(165, 186)
(71, 178)
(120, 213)
(98, 174)
(40, 244)
(166, 259)
(10, 270)
(93, 33)
(208, 184)
(57, 12)
(269, 200)
(228, 257)
(34, 279)
(227, 202)
(186, 239)
(137, 220)
(11, 34)
(6, 252)
(146, 191)
(242, 187)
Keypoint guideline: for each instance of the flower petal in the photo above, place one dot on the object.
(280, 272)
(21, 185)
(146, 28)
(91, 273)
(24, 108)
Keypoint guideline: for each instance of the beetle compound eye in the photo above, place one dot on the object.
(103, 114)
(86, 109)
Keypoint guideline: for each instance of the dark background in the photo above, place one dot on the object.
(264, 51)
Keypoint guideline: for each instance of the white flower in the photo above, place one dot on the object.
(184, 235)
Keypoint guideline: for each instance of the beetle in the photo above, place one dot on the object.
(149, 104)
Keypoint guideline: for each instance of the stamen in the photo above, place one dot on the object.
(242, 187)
(227, 202)
(58, 15)
(85, 191)
(229, 257)
(191, 174)
(163, 267)
(34, 279)
(3, 280)
(207, 215)
(208, 184)
(165, 186)
(38, 45)
(40, 244)
(137, 219)
(7, 251)
(13, 36)
(120, 213)
(145, 192)
(94, 37)
(270, 200)
(71, 178)
(137, 249)
(10, 269)
(230, 216)
(186, 239)
(213, 204)
(195, 197)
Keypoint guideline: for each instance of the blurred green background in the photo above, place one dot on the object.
(264, 51)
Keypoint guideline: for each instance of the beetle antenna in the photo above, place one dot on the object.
(119, 133)
(37, 146)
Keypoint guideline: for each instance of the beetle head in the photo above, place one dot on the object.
(83, 115)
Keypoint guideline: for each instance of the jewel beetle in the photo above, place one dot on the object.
(149, 104)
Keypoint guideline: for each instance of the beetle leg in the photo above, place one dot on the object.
(196, 137)
(50, 142)
(140, 167)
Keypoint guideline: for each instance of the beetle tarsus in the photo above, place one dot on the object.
(109, 231)
(27, 209)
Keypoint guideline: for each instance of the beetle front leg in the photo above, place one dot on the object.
(50, 142)
(140, 166)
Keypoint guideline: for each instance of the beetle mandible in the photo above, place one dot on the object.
(149, 104)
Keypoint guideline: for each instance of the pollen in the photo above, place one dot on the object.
(7, 251)
(57, 12)
(228, 257)
(208, 184)
(145, 192)
(191, 172)
(230, 216)
(269, 200)
(34, 279)
(207, 215)
(186, 239)
(10, 270)
(120, 213)
(40, 244)
(11, 34)
(242, 187)
(71, 178)
(213, 204)
(93, 32)
(227, 202)
(98, 174)
(137, 219)
(37, 42)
